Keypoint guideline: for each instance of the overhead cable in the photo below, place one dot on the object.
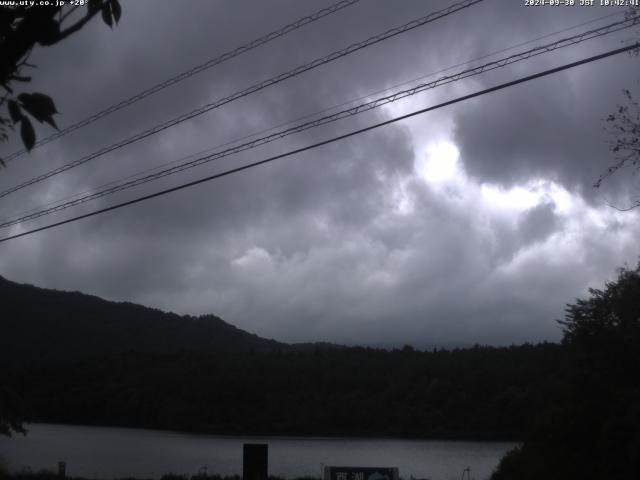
(259, 86)
(191, 72)
(303, 117)
(329, 141)
(349, 112)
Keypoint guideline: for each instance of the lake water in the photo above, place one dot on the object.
(102, 452)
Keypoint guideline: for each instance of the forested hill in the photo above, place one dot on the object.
(75, 358)
(43, 324)
(481, 393)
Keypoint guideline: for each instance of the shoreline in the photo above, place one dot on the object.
(289, 436)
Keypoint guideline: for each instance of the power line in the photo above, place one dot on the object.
(193, 71)
(562, 43)
(331, 140)
(309, 115)
(259, 86)
(616, 26)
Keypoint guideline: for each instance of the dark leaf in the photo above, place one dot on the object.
(48, 32)
(2, 163)
(38, 102)
(106, 14)
(20, 78)
(27, 133)
(14, 111)
(51, 122)
(116, 10)
(40, 106)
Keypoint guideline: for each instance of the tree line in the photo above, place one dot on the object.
(480, 392)
(575, 405)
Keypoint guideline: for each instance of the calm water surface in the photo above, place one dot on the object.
(103, 452)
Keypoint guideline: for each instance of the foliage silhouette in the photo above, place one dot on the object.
(21, 29)
(592, 429)
(623, 127)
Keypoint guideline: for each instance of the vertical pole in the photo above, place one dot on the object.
(255, 461)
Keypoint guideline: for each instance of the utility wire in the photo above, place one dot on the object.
(189, 73)
(304, 117)
(331, 140)
(259, 86)
(327, 119)
(569, 41)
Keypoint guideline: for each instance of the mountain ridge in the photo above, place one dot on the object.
(40, 323)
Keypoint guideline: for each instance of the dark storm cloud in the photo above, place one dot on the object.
(554, 129)
(344, 243)
(538, 223)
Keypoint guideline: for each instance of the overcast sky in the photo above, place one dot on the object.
(474, 223)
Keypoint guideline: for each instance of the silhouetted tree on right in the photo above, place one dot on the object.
(611, 314)
(623, 127)
(592, 431)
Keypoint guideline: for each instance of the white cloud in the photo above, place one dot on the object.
(440, 163)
